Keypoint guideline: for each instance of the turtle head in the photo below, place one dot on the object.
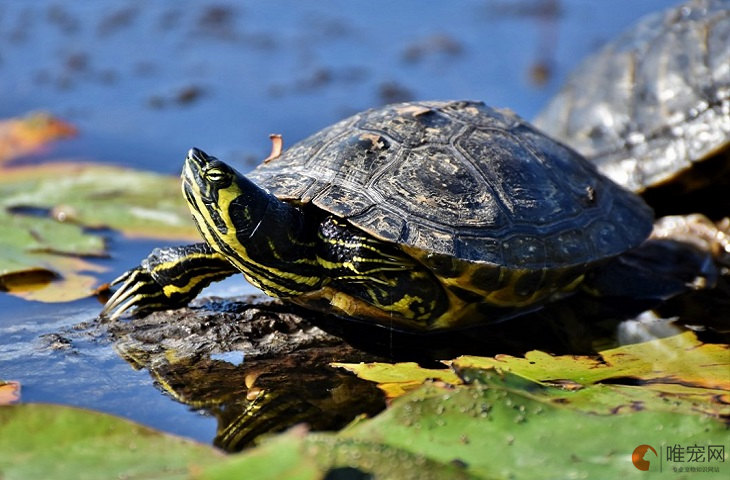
(249, 226)
(223, 202)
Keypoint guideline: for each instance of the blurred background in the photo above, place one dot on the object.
(143, 81)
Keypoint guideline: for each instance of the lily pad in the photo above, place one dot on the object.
(138, 204)
(493, 426)
(539, 422)
(508, 427)
(45, 213)
(295, 455)
(20, 136)
(50, 441)
(680, 359)
(675, 367)
(397, 379)
(9, 392)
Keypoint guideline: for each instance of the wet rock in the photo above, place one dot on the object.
(55, 342)
(256, 365)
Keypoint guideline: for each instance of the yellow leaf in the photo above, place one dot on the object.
(400, 378)
(22, 136)
(681, 359)
(43, 285)
(9, 392)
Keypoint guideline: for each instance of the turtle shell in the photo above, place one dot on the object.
(460, 180)
(653, 102)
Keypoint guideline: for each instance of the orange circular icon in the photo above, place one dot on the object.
(637, 458)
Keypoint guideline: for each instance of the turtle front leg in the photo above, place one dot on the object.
(167, 278)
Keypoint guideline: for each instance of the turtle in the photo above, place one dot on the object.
(420, 216)
(651, 109)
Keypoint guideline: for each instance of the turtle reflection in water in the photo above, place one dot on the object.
(285, 378)
(420, 216)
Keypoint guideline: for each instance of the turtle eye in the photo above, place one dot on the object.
(215, 175)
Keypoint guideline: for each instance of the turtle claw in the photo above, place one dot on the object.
(139, 293)
(167, 278)
(127, 296)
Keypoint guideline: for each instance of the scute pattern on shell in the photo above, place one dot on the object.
(464, 180)
(653, 101)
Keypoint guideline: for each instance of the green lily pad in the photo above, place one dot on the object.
(281, 457)
(140, 204)
(551, 414)
(315, 456)
(492, 426)
(39, 258)
(51, 441)
(509, 427)
(678, 367)
(41, 252)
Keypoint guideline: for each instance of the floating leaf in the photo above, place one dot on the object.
(9, 392)
(296, 456)
(677, 374)
(397, 379)
(142, 204)
(44, 212)
(494, 426)
(23, 235)
(45, 285)
(281, 457)
(512, 428)
(38, 258)
(51, 441)
(546, 421)
(681, 359)
(20, 136)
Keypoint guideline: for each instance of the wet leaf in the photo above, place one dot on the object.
(51, 441)
(281, 457)
(681, 359)
(23, 235)
(21, 136)
(45, 212)
(295, 456)
(9, 392)
(141, 204)
(675, 374)
(397, 379)
(509, 427)
(618, 399)
(77, 279)
(38, 258)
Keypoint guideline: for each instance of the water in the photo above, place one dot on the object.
(145, 81)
